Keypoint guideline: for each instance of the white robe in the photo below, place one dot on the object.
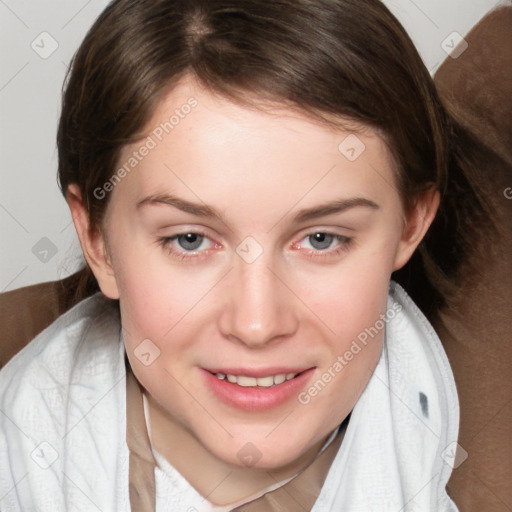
(63, 421)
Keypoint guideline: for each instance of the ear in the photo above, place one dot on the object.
(93, 244)
(416, 225)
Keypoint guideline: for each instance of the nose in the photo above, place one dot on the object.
(259, 307)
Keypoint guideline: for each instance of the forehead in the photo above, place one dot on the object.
(203, 146)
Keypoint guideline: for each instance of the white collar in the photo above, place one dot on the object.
(395, 455)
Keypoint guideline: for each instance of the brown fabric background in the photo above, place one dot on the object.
(477, 331)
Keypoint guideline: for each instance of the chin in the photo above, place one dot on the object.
(260, 450)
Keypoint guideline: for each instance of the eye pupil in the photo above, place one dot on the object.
(190, 241)
(321, 240)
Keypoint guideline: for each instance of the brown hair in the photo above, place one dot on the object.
(349, 59)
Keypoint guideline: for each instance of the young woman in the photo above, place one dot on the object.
(244, 177)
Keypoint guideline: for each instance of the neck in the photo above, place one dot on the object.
(219, 482)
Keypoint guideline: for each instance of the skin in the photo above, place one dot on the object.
(296, 304)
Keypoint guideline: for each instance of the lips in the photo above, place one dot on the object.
(256, 389)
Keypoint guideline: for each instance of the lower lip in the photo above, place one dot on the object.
(256, 398)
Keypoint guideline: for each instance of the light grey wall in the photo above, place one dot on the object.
(37, 40)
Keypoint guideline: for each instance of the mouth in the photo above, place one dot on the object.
(256, 390)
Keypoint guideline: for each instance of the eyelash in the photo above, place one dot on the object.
(166, 241)
(345, 243)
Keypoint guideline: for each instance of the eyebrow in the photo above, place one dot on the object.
(203, 210)
(332, 207)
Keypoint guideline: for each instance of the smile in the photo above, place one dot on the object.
(262, 382)
(256, 390)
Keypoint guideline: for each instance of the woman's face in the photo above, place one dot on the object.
(257, 247)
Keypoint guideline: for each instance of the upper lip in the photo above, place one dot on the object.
(257, 372)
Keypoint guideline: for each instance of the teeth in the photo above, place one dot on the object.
(246, 381)
(279, 379)
(265, 382)
(262, 382)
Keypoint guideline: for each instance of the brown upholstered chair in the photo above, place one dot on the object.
(477, 330)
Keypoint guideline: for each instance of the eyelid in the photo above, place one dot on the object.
(335, 231)
(167, 243)
(336, 236)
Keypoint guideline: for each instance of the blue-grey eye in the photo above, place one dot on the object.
(190, 241)
(321, 241)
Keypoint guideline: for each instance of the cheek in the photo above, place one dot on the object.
(351, 301)
(148, 287)
(351, 296)
(143, 302)
(352, 306)
(163, 302)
